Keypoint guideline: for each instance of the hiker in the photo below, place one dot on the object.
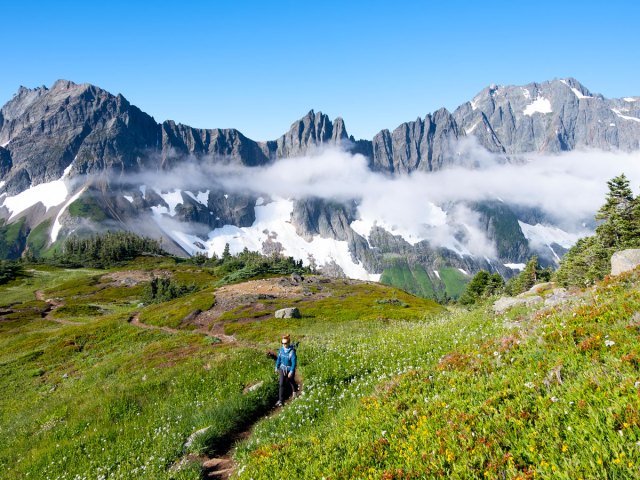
(286, 368)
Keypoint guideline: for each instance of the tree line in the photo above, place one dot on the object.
(105, 249)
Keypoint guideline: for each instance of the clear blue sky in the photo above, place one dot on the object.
(258, 66)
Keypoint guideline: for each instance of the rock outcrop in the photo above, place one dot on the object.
(625, 261)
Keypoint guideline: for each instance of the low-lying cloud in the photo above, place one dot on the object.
(568, 187)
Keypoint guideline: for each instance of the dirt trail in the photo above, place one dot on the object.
(222, 466)
(54, 304)
(135, 321)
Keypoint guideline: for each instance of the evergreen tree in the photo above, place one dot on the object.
(9, 270)
(475, 288)
(617, 214)
(226, 254)
(589, 259)
(531, 274)
(482, 285)
(495, 285)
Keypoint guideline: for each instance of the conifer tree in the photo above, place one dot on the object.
(619, 228)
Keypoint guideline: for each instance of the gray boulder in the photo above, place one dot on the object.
(557, 297)
(624, 261)
(291, 312)
(505, 303)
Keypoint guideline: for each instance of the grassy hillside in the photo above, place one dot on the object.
(12, 238)
(394, 386)
(87, 391)
(549, 394)
(449, 283)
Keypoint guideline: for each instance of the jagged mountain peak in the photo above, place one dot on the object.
(314, 129)
(44, 131)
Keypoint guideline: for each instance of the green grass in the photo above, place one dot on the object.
(466, 396)
(394, 386)
(340, 303)
(39, 238)
(108, 398)
(87, 207)
(12, 239)
(454, 280)
(413, 279)
(171, 313)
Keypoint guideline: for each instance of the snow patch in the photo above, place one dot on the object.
(463, 271)
(200, 197)
(576, 92)
(55, 230)
(434, 216)
(2, 183)
(539, 105)
(129, 198)
(626, 117)
(259, 201)
(190, 243)
(437, 274)
(226, 196)
(473, 127)
(612, 124)
(474, 104)
(526, 93)
(143, 190)
(50, 194)
(272, 224)
(172, 198)
(630, 99)
(515, 266)
(542, 236)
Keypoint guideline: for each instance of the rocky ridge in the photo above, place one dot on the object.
(91, 136)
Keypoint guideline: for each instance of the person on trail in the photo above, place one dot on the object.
(286, 369)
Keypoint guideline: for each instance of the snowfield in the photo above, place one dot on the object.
(272, 225)
(539, 105)
(625, 117)
(50, 194)
(543, 236)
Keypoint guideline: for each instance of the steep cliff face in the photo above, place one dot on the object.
(424, 145)
(46, 130)
(311, 131)
(180, 141)
(552, 116)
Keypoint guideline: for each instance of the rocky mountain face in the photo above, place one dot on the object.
(552, 116)
(83, 137)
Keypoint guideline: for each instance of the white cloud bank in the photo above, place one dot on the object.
(569, 188)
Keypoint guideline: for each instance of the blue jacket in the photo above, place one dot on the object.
(286, 360)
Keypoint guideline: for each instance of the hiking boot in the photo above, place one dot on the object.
(278, 403)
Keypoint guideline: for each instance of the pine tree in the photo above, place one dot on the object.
(226, 254)
(617, 227)
(475, 288)
(589, 259)
(526, 279)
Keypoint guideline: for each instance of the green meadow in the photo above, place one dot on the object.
(394, 385)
